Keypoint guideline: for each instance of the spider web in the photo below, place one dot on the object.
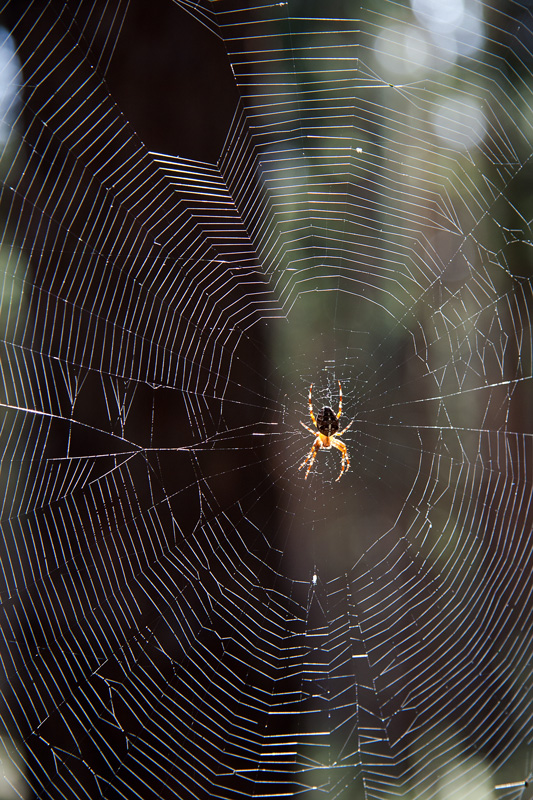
(184, 614)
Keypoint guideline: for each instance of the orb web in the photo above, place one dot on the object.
(184, 612)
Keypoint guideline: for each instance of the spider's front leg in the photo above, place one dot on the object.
(311, 457)
(345, 458)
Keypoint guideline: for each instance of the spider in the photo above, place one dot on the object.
(327, 433)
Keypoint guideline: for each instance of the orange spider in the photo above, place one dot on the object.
(326, 433)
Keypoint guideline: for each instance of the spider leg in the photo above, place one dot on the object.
(307, 428)
(345, 459)
(340, 401)
(311, 457)
(311, 406)
(345, 429)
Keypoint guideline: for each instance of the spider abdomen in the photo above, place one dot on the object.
(326, 422)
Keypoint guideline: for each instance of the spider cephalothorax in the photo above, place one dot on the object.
(327, 433)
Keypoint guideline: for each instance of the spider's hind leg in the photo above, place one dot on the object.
(349, 425)
(340, 401)
(311, 406)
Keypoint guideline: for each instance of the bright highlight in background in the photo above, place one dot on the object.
(402, 49)
(439, 16)
(460, 122)
(455, 26)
